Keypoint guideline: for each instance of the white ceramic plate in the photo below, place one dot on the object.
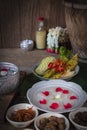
(65, 78)
(56, 96)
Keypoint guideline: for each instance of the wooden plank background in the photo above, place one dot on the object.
(18, 19)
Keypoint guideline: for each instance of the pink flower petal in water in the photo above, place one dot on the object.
(4, 69)
(46, 93)
(43, 101)
(65, 91)
(73, 97)
(67, 106)
(54, 105)
(59, 89)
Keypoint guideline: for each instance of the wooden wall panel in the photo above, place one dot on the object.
(28, 14)
(18, 19)
(9, 21)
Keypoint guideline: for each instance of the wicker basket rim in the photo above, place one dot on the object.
(75, 5)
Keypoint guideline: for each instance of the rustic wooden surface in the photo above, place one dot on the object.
(24, 59)
(18, 19)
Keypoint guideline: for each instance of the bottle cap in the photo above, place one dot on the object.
(40, 18)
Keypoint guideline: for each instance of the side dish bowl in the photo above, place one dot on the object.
(38, 120)
(21, 108)
(80, 118)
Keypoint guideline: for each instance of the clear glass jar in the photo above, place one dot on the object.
(40, 34)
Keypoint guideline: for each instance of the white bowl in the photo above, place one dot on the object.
(35, 95)
(9, 77)
(72, 115)
(47, 115)
(19, 107)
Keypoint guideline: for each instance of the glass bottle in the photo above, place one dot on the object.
(40, 34)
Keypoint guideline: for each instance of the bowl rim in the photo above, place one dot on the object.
(13, 65)
(48, 114)
(23, 122)
(67, 78)
(43, 85)
(81, 109)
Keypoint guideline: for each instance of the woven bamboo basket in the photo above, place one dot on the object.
(76, 23)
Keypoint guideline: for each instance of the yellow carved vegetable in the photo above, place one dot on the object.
(72, 63)
(49, 73)
(43, 66)
(57, 75)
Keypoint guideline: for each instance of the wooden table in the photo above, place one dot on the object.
(25, 60)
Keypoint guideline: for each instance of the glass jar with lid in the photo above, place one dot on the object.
(41, 34)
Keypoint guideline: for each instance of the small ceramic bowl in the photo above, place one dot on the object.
(38, 119)
(27, 45)
(9, 77)
(72, 117)
(15, 108)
